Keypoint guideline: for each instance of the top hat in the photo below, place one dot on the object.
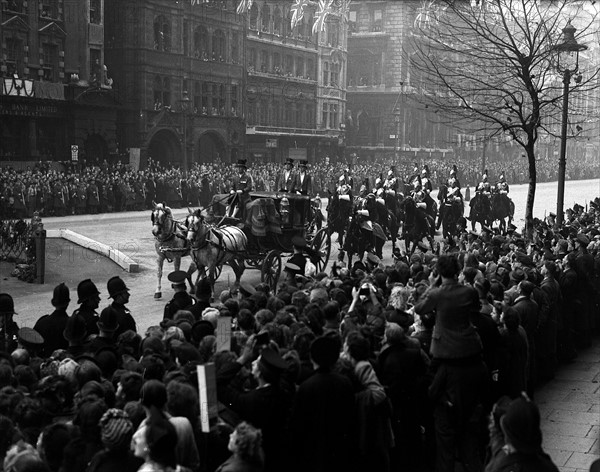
(271, 361)
(85, 290)
(115, 286)
(7, 305)
(108, 320)
(289, 161)
(303, 163)
(61, 295)
(242, 163)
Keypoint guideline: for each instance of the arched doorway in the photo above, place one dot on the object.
(211, 148)
(96, 150)
(165, 148)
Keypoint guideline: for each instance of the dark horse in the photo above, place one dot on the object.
(338, 213)
(431, 211)
(480, 210)
(449, 213)
(416, 225)
(385, 218)
(363, 235)
(502, 208)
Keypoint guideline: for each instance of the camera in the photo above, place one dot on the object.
(364, 290)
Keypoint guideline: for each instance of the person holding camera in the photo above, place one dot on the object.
(365, 310)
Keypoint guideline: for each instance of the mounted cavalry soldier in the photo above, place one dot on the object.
(454, 193)
(286, 179)
(414, 176)
(391, 182)
(240, 191)
(346, 179)
(425, 181)
(453, 177)
(502, 185)
(484, 186)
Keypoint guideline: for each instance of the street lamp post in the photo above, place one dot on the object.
(185, 106)
(397, 121)
(568, 64)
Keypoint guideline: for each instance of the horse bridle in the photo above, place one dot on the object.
(159, 222)
(199, 240)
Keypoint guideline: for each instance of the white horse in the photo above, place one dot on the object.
(213, 246)
(170, 243)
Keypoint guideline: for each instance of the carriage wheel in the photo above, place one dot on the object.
(322, 244)
(271, 269)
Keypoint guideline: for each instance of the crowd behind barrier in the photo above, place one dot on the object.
(116, 188)
(385, 365)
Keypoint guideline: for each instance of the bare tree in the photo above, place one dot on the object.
(490, 66)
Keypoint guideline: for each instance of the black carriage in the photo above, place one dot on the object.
(271, 220)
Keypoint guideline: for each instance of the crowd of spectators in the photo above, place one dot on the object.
(114, 188)
(385, 365)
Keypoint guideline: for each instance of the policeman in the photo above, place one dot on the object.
(181, 299)
(484, 186)
(502, 185)
(118, 291)
(241, 187)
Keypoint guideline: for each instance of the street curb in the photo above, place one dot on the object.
(113, 254)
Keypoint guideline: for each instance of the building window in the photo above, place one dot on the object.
(218, 46)
(95, 66)
(95, 12)
(15, 6)
(205, 98)
(310, 69)
(325, 73)
(251, 60)
(352, 25)
(300, 67)
(310, 116)
(234, 100)
(335, 74)
(332, 35)
(334, 116)
(276, 113)
(50, 59)
(186, 38)
(325, 117)
(252, 113)
(162, 34)
(289, 65)
(277, 63)
(254, 16)
(264, 61)
(157, 91)
(266, 19)
(197, 97)
(49, 9)
(222, 98)
(299, 115)
(166, 92)
(264, 112)
(377, 23)
(289, 116)
(277, 21)
(14, 56)
(235, 48)
(201, 43)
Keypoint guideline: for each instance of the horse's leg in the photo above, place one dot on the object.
(159, 270)
(191, 269)
(176, 262)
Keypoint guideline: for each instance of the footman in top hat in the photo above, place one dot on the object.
(240, 190)
(181, 299)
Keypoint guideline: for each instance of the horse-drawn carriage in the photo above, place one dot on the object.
(257, 238)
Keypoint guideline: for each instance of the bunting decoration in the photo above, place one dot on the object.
(297, 10)
(321, 15)
(244, 6)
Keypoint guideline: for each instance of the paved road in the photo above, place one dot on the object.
(570, 404)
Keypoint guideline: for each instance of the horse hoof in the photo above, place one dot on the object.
(157, 295)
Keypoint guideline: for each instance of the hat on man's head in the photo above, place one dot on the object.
(61, 295)
(303, 163)
(246, 289)
(116, 286)
(521, 426)
(177, 278)
(116, 428)
(299, 242)
(373, 259)
(85, 290)
(325, 351)
(203, 289)
(242, 163)
(291, 267)
(29, 337)
(108, 320)
(271, 361)
(517, 275)
(75, 329)
(583, 239)
(7, 304)
(289, 161)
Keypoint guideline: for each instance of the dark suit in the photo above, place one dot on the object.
(570, 306)
(90, 317)
(180, 301)
(322, 419)
(529, 317)
(51, 328)
(454, 336)
(303, 184)
(551, 288)
(285, 183)
(244, 183)
(126, 321)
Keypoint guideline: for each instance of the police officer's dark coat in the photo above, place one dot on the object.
(180, 301)
(51, 328)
